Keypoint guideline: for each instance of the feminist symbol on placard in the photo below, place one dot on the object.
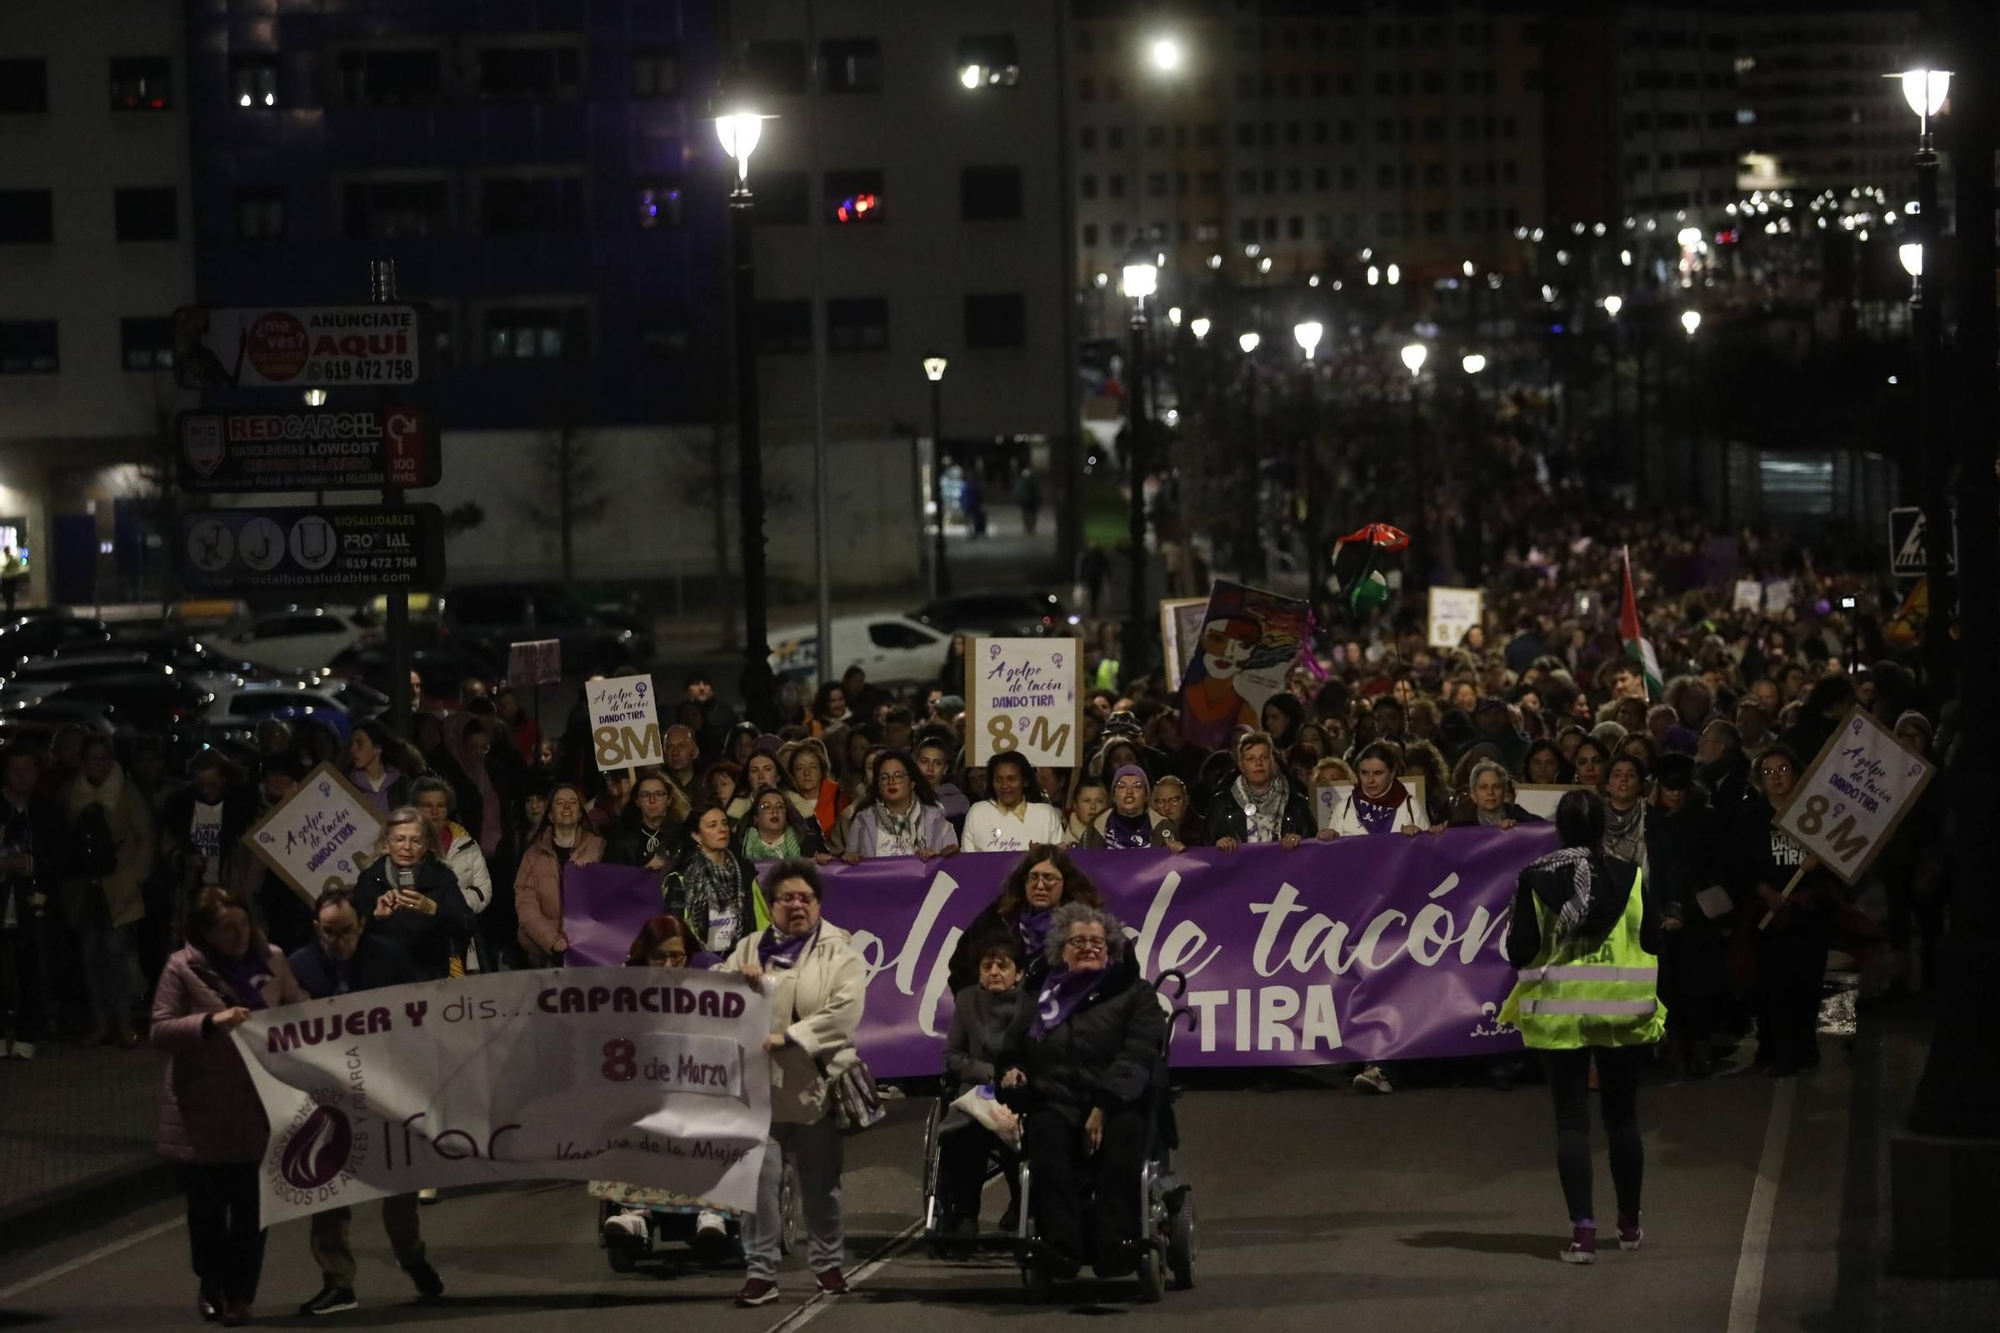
(1056, 658)
(993, 650)
(641, 688)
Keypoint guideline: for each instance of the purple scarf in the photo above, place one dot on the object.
(246, 976)
(782, 957)
(1061, 994)
(1033, 928)
(1123, 833)
(1378, 815)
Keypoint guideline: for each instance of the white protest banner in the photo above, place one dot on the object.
(1541, 799)
(1025, 696)
(1453, 612)
(322, 834)
(653, 1076)
(1328, 798)
(624, 722)
(1847, 806)
(1749, 595)
(1180, 631)
(1777, 596)
(536, 662)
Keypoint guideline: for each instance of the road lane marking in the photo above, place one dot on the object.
(86, 1260)
(821, 1302)
(1747, 1295)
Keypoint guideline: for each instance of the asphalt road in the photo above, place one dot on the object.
(1434, 1208)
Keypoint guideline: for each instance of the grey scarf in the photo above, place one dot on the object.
(1262, 815)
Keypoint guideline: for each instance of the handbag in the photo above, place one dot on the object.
(851, 1094)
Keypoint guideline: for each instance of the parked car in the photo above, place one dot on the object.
(1009, 612)
(146, 702)
(41, 635)
(299, 638)
(185, 652)
(443, 671)
(492, 616)
(35, 720)
(892, 649)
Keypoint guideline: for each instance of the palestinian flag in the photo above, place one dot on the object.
(1637, 646)
(1357, 580)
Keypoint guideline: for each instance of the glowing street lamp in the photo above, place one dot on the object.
(1690, 320)
(739, 133)
(1308, 333)
(1413, 357)
(1473, 363)
(1165, 54)
(1613, 304)
(1248, 341)
(1199, 326)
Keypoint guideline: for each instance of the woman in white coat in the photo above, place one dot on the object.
(1016, 817)
(458, 849)
(1379, 802)
(817, 983)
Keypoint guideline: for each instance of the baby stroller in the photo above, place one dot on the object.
(634, 1223)
(1168, 1242)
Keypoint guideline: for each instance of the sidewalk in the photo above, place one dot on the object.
(76, 1138)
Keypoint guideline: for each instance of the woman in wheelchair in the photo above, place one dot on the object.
(1041, 881)
(982, 1015)
(1081, 1060)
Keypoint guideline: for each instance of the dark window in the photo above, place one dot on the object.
(996, 319)
(511, 205)
(1086, 89)
(895, 634)
(1246, 181)
(857, 324)
(1434, 222)
(775, 69)
(375, 209)
(1114, 185)
(990, 60)
(1295, 228)
(1086, 138)
(24, 87)
(28, 347)
(146, 214)
(260, 212)
(990, 194)
(1114, 138)
(1156, 136)
(1433, 83)
(1156, 184)
(1086, 186)
(558, 333)
(657, 200)
(146, 344)
(781, 199)
(253, 82)
(1208, 134)
(1089, 234)
(851, 65)
(144, 83)
(27, 217)
(784, 326)
(656, 71)
(389, 78)
(854, 196)
(1246, 134)
(1385, 177)
(529, 73)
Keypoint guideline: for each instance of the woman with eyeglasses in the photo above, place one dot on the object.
(411, 898)
(776, 833)
(1081, 1060)
(1041, 881)
(1791, 951)
(817, 984)
(653, 830)
(899, 816)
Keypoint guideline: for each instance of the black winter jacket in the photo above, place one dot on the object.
(980, 1021)
(376, 963)
(1104, 1056)
(1225, 818)
(430, 941)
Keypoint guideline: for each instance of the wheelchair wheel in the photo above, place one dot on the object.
(1181, 1240)
(1036, 1286)
(791, 1224)
(1152, 1276)
(622, 1253)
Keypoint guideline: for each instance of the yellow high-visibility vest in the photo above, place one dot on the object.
(1577, 993)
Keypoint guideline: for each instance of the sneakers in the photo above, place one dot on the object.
(1582, 1247)
(429, 1285)
(427, 1196)
(208, 1303)
(1630, 1234)
(757, 1291)
(20, 1050)
(236, 1314)
(710, 1228)
(331, 1300)
(1372, 1079)
(831, 1281)
(627, 1226)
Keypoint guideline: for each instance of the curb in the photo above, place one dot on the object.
(86, 1205)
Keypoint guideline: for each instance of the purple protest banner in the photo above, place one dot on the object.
(1368, 948)
(603, 908)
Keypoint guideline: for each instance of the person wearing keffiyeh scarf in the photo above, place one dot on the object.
(1258, 805)
(715, 890)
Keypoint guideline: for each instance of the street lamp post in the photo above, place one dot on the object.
(1307, 334)
(1690, 321)
(940, 572)
(1250, 561)
(1474, 364)
(1413, 359)
(1612, 305)
(1142, 278)
(739, 132)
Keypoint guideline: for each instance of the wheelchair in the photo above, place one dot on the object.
(939, 1245)
(1168, 1242)
(647, 1221)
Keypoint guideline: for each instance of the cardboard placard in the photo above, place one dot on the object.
(1180, 631)
(1330, 796)
(1542, 798)
(1849, 803)
(1025, 696)
(321, 835)
(1749, 595)
(1453, 612)
(536, 662)
(1249, 640)
(624, 722)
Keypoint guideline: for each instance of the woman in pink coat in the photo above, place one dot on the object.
(211, 1120)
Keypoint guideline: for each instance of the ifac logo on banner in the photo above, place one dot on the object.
(314, 1152)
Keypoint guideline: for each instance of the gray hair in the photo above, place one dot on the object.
(1482, 768)
(1069, 916)
(397, 818)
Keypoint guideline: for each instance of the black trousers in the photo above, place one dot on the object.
(1618, 1099)
(1066, 1170)
(1791, 965)
(962, 1157)
(224, 1240)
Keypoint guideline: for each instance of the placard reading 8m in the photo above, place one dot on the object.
(624, 722)
(1025, 696)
